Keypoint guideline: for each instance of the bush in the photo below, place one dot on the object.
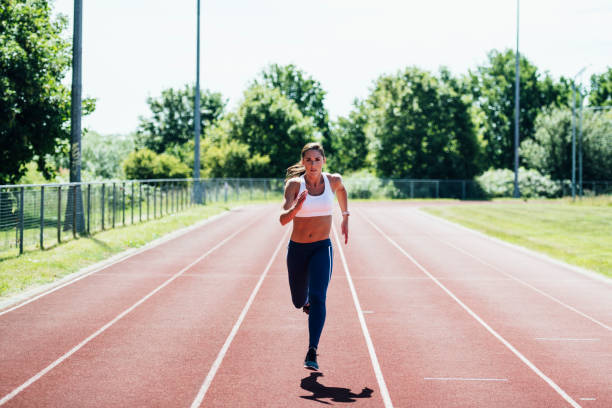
(145, 164)
(363, 184)
(500, 183)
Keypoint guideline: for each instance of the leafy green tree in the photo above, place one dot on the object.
(422, 127)
(271, 125)
(34, 104)
(145, 164)
(102, 155)
(550, 152)
(349, 144)
(302, 89)
(493, 88)
(601, 89)
(171, 123)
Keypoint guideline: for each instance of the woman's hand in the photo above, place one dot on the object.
(344, 228)
(300, 201)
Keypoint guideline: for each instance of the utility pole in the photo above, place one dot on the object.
(75, 118)
(574, 132)
(197, 190)
(517, 192)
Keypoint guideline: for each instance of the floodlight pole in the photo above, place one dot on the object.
(517, 192)
(197, 191)
(75, 108)
(574, 132)
(580, 147)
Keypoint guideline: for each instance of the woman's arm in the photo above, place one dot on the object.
(342, 196)
(292, 203)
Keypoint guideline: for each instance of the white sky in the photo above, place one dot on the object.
(135, 48)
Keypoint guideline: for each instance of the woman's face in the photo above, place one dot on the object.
(313, 160)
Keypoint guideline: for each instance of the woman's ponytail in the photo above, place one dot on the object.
(295, 171)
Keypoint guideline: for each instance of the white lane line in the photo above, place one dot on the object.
(51, 366)
(464, 379)
(522, 282)
(384, 392)
(477, 318)
(588, 399)
(100, 266)
(217, 363)
(562, 339)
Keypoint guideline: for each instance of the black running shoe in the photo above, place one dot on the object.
(310, 361)
(306, 308)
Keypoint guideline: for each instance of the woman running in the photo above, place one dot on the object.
(309, 199)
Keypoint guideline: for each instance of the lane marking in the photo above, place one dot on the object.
(108, 263)
(524, 359)
(217, 363)
(76, 348)
(522, 282)
(464, 379)
(563, 339)
(594, 276)
(384, 392)
(588, 399)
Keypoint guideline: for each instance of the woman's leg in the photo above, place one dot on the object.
(319, 271)
(297, 268)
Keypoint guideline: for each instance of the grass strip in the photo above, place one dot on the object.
(36, 267)
(575, 232)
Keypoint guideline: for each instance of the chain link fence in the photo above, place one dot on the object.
(41, 216)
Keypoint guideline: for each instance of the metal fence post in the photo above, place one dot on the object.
(59, 214)
(411, 188)
(463, 189)
(265, 189)
(132, 204)
(114, 202)
(42, 216)
(88, 207)
(74, 206)
(21, 199)
(123, 202)
(437, 188)
(139, 202)
(154, 202)
(102, 204)
(250, 189)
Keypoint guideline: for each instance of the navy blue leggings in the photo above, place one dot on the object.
(310, 268)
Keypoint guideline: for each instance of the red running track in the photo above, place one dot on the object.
(448, 319)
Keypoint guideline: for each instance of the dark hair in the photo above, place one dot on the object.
(298, 168)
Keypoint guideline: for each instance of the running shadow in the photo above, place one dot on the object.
(337, 394)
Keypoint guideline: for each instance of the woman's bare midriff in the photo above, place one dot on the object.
(311, 229)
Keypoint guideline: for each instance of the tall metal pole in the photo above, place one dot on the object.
(75, 112)
(197, 192)
(75, 199)
(517, 192)
(580, 148)
(573, 139)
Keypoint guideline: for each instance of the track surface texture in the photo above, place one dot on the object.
(420, 313)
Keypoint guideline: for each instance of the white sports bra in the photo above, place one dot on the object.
(316, 206)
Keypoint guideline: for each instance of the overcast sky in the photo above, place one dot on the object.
(133, 49)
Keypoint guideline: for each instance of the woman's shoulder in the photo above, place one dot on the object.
(292, 182)
(333, 177)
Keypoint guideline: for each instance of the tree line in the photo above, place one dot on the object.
(414, 123)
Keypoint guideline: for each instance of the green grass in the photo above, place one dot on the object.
(577, 232)
(36, 267)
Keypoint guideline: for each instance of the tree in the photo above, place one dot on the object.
(271, 125)
(550, 151)
(171, 123)
(493, 89)
(349, 144)
(422, 127)
(302, 89)
(145, 164)
(34, 104)
(601, 89)
(103, 155)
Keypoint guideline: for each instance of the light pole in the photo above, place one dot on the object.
(517, 192)
(574, 132)
(197, 191)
